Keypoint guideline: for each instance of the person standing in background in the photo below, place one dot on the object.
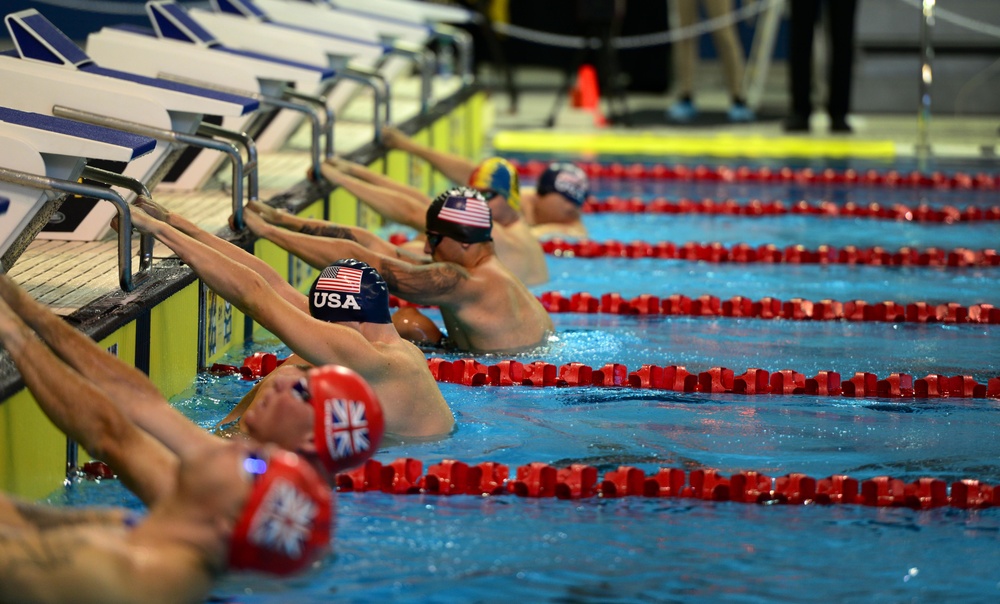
(803, 17)
(686, 57)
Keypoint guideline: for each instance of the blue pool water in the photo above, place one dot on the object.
(424, 548)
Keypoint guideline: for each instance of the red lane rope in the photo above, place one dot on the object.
(743, 253)
(580, 481)
(829, 176)
(946, 214)
(795, 309)
(405, 476)
(717, 380)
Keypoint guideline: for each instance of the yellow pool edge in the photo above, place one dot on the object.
(721, 145)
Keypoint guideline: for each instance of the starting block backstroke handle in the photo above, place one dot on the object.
(126, 279)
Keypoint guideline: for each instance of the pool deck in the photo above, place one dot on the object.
(955, 136)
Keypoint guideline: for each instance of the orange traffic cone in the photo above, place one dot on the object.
(587, 94)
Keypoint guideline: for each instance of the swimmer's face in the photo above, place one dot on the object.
(281, 413)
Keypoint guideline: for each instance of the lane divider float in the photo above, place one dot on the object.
(580, 481)
(764, 174)
(405, 476)
(717, 380)
(742, 253)
(741, 307)
(924, 213)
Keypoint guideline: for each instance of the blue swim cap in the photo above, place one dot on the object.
(462, 214)
(350, 290)
(566, 179)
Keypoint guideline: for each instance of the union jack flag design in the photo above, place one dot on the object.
(346, 428)
(284, 520)
(466, 210)
(340, 279)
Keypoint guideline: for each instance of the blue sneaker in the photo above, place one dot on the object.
(739, 112)
(682, 111)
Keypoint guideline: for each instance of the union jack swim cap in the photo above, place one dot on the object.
(348, 424)
(285, 524)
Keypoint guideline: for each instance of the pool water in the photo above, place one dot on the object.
(427, 548)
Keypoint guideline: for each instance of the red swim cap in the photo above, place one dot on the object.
(349, 422)
(286, 522)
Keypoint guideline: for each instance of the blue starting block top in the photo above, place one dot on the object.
(171, 21)
(36, 38)
(139, 145)
(4, 205)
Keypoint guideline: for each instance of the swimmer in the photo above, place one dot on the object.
(495, 178)
(344, 320)
(215, 506)
(484, 306)
(554, 207)
(552, 210)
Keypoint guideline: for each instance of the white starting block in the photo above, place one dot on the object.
(405, 38)
(242, 24)
(48, 74)
(40, 154)
(177, 48)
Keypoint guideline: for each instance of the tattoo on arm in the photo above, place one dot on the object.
(438, 278)
(334, 232)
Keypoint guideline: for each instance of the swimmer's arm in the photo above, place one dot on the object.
(434, 284)
(45, 517)
(392, 204)
(81, 410)
(234, 254)
(317, 252)
(381, 180)
(66, 565)
(322, 228)
(455, 167)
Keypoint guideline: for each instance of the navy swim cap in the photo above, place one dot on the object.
(566, 179)
(350, 290)
(462, 214)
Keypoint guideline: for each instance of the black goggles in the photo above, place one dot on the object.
(434, 239)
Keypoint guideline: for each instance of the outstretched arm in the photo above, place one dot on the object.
(127, 387)
(454, 167)
(390, 203)
(320, 228)
(82, 410)
(368, 175)
(316, 341)
(224, 248)
(438, 283)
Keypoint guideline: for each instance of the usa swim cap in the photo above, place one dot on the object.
(566, 179)
(349, 423)
(497, 174)
(350, 290)
(285, 523)
(462, 214)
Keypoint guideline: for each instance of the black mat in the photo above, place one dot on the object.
(658, 117)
